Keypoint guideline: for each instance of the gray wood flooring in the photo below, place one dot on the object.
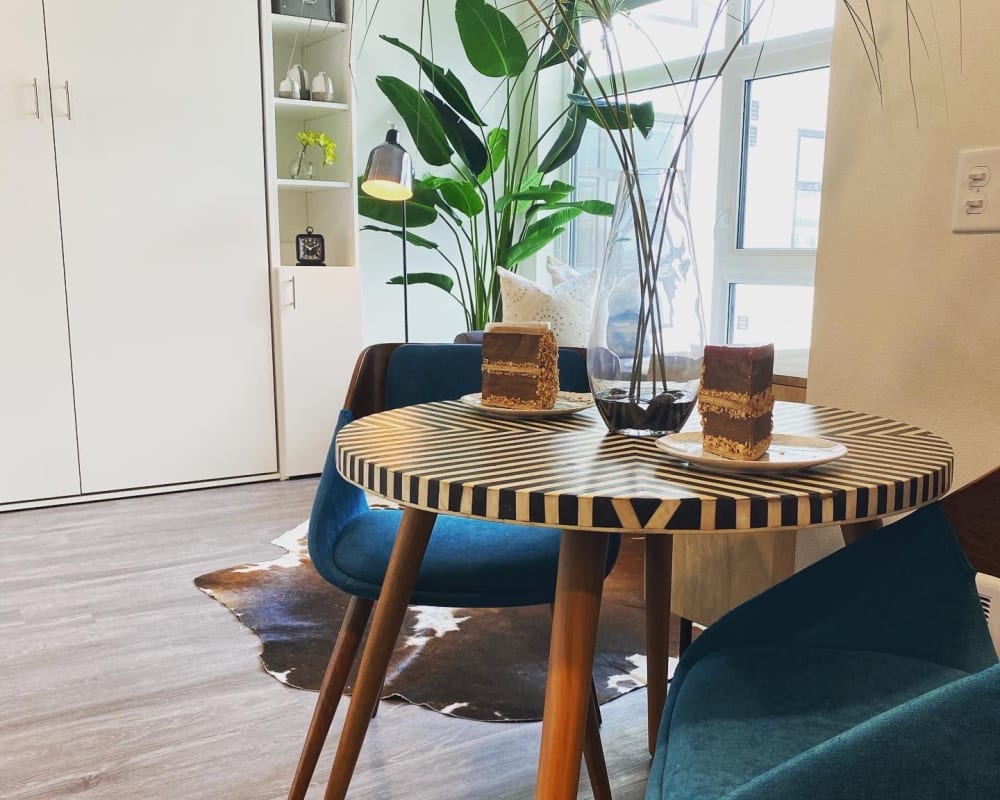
(119, 679)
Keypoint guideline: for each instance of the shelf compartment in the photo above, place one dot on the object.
(285, 27)
(292, 185)
(299, 110)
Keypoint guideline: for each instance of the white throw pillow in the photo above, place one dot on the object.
(567, 306)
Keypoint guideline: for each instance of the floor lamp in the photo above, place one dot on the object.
(389, 176)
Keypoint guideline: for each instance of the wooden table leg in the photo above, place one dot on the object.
(579, 584)
(400, 578)
(658, 565)
(855, 531)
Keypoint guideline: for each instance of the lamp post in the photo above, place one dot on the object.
(389, 176)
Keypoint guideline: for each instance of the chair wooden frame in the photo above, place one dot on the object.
(366, 395)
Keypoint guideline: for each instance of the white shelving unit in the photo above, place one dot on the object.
(301, 110)
(316, 310)
(307, 187)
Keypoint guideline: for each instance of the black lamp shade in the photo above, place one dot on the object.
(389, 173)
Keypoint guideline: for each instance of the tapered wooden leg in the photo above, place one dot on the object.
(400, 578)
(596, 701)
(856, 531)
(658, 565)
(686, 635)
(579, 584)
(593, 749)
(345, 651)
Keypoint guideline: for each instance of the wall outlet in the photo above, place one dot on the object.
(977, 192)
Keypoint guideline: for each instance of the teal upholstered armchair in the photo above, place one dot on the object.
(468, 563)
(870, 674)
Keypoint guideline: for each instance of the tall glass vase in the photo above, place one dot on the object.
(647, 337)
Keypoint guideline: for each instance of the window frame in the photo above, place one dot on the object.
(732, 264)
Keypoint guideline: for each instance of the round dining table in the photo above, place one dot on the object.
(568, 472)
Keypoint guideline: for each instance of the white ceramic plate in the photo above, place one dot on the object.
(566, 403)
(787, 453)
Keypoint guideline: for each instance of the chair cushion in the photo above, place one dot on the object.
(469, 563)
(746, 710)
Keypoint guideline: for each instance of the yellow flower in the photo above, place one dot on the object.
(307, 138)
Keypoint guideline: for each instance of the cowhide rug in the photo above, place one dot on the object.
(484, 664)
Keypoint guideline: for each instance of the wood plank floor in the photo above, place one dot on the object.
(119, 679)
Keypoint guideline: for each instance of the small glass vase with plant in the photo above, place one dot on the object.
(301, 168)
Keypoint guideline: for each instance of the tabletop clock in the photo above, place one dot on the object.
(310, 249)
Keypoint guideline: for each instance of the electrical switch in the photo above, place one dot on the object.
(976, 207)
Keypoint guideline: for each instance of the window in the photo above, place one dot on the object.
(754, 161)
(783, 161)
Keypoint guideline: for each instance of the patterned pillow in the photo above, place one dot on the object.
(568, 305)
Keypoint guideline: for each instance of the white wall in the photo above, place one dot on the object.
(433, 316)
(906, 312)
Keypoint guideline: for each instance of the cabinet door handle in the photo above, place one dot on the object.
(38, 110)
(69, 107)
(294, 303)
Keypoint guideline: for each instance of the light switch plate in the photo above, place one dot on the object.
(977, 192)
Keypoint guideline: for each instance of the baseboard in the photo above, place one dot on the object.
(138, 492)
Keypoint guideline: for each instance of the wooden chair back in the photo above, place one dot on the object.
(974, 513)
(366, 391)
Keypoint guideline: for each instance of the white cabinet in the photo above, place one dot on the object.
(137, 302)
(37, 430)
(319, 335)
(318, 324)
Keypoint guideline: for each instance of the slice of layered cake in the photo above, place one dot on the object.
(736, 401)
(520, 365)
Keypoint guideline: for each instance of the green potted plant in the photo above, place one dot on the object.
(492, 188)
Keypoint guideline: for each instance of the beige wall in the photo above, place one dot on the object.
(906, 316)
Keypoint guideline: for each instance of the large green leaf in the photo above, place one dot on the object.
(616, 116)
(567, 142)
(421, 119)
(432, 278)
(419, 212)
(492, 43)
(447, 83)
(496, 143)
(563, 45)
(412, 238)
(462, 196)
(599, 208)
(467, 144)
(528, 246)
(559, 218)
(545, 194)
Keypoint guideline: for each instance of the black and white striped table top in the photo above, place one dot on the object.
(570, 473)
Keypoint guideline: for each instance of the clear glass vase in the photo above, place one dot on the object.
(300, 168)
(647, 337)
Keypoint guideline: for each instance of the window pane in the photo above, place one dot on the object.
(764, 313)
(654, 32)
(783, 155)
(779, 18)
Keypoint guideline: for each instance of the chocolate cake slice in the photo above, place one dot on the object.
(736, 401)
(520, 366)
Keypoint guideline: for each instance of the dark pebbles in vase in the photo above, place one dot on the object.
(665, 413)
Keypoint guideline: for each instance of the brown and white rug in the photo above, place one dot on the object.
(484, 664)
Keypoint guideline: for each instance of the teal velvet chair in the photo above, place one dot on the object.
(468, 563)
(870, 674)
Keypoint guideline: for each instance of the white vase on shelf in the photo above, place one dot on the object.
(322, 88)
(298, 74)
